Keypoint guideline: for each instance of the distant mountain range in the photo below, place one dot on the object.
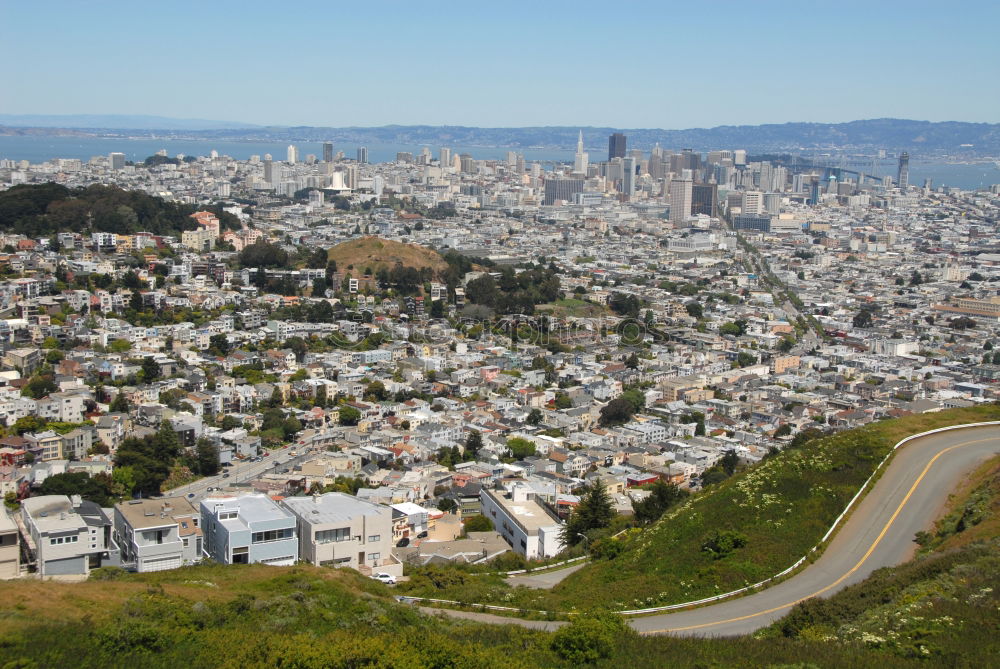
(924, 137)
(114, 122)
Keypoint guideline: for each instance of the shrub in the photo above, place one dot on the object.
(720, 544)
(589, 638)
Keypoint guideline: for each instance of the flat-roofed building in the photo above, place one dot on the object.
(529, 528)
(66, 535)
(248, 529)
(340, 530)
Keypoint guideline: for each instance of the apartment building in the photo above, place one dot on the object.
(158, 534)
(67, 535)
(340, 530)
(529, 528)
(248, 529)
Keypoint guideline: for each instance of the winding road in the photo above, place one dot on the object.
(879, 533)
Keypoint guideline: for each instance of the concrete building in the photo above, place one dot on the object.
(680, 200)
(530, 529)
(10, 548)
(247, 530)
(158, 534)
(67, 536)
(340, 530)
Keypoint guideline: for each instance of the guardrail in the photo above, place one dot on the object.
(546, 567)
(733, 593)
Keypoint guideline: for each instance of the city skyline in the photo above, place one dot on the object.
(362, 75)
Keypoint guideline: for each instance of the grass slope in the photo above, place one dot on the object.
(249, 617)
(938, 607)
(376, 253)
(781, 507)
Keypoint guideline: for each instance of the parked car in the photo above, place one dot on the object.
(388, 579)
(226, 475)
(403, 543)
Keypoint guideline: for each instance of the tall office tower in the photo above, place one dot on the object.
(117, 160)
(425, 156)
(581, 158)
(903, 175)
(616, 146)
(814, 190)
(772, 203)
(327, 152)
(705, 200)
(740, 157)
(519, 165)
(293, 154)
(445, 157)
(561, 189)
(628, 177)
(378, 185)
(468, 163)
(268, 169)
(765, 176)
(536, 170)
(691, 160)
(680, 200)
(753, 202)
(362, 154)
(779, 177)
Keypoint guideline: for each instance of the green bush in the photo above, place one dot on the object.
(590, 638)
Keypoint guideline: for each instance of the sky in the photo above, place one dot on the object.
(668, 64)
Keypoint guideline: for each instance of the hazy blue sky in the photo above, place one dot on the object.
(648, 64)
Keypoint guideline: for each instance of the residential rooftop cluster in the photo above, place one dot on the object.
(340, 362)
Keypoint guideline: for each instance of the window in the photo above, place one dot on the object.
(185, 542)
(155, 536)
(330, 536)
(228, 515)
(373, 557)
(272, 535)
(374, 537)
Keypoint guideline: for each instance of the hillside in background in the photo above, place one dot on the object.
(47, 209)
(920, 137)
(114, 121)
(779, 509)
(357, 256)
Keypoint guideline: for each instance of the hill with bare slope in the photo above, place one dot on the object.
(375, 253)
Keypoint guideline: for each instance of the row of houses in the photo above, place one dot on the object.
(68, 536)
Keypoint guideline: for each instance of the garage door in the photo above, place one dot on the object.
(160, 564)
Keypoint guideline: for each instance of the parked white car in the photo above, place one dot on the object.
(388, 579)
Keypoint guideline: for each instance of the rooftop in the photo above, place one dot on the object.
(334, 507)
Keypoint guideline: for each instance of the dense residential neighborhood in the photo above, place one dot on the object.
(356, 364)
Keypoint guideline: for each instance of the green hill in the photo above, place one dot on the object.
(781, 508)
(45, 209)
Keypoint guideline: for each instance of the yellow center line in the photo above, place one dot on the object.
(853, 569)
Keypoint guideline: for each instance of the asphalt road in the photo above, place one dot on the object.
(879, 533)
(545, 579)
(240, 471)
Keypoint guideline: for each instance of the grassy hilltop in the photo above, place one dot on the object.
(375, 253)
